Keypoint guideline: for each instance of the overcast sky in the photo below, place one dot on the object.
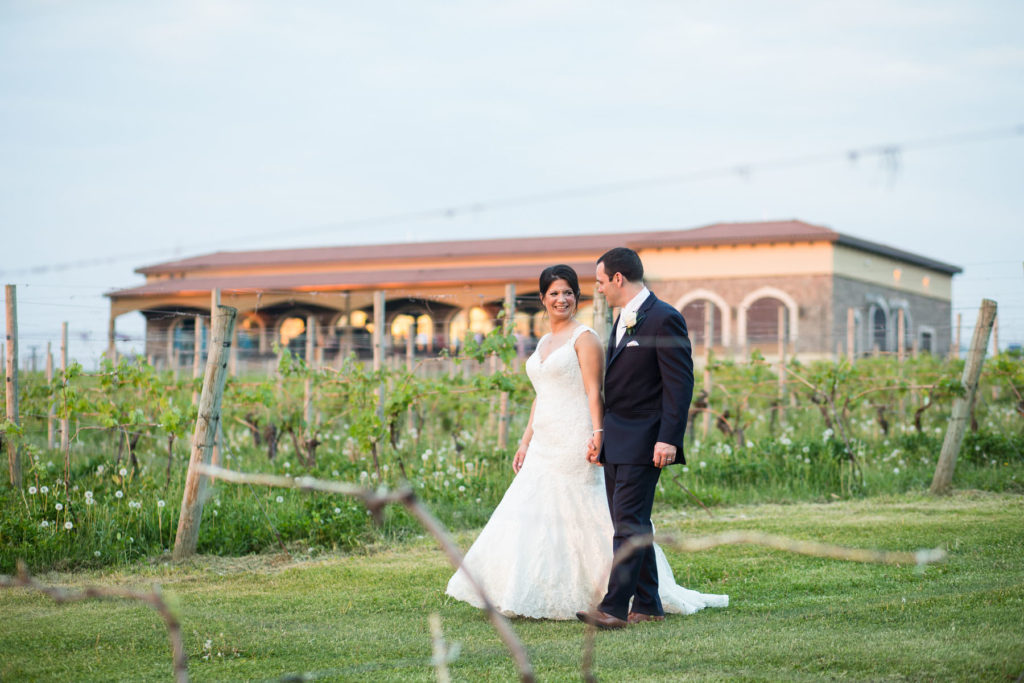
(149, 131)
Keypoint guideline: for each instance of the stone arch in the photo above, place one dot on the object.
(877, 330)
(718, 301)
(251, 334)
(768, 292)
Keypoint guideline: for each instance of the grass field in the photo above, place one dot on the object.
(364, 616)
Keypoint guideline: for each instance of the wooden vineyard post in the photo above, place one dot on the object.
(307, 385)
(956, 341)
(507, 324)
(782, 354)
(709, 321)
(11, 383)
(51, 439)
(207, 424)
(379, 302)
(851, 332)
(962, 405)
(197, 355)
(995, 336)
(65, 423)
(602, 318)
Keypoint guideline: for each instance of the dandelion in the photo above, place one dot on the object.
(806, 449)
(364, 475)
(334, 473)
(160, 503)
(69, 526)
(59, 507)
(895, 470)
(478, 500)
(118, 494)
(469, 466)
(99, 469)
(44, 524)
(703, 464)
(785, 441)
(90, 501)
(123, 472)
(750, 444)
(88, 494)
(385, 468)
(287, 464)
(686, 468)
(827, 434)
(280, 499)
(447, 483)
(462, 489)
(44, 490)
(337, 511)
(96, 553)
(31, 490)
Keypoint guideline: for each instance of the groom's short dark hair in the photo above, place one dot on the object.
(622, 260)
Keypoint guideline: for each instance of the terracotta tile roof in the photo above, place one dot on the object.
(720, 233)
(544, 248)
(343, 280)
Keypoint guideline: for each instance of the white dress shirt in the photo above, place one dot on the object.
(633, 305)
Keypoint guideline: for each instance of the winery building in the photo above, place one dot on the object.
(827, 289)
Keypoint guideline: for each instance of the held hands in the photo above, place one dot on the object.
(594, 448)
(664, 454)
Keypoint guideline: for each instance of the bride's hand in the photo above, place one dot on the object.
(517, 461)
(594, 449)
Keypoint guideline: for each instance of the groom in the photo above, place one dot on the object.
(648, 386)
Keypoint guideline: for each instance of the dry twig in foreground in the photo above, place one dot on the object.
(919, 558)
(375, 503)
(154, 599)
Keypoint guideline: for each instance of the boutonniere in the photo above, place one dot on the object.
(630, 319)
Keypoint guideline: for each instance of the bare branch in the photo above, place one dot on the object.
(154, 599)
(375, 501)
(919, 558)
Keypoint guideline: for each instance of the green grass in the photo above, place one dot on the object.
(364, 616)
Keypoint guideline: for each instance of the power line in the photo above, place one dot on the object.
(889, 153)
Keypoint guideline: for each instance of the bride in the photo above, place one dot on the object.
(546, 552)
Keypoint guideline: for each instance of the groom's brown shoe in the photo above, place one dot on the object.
(601, 620)
(637, 617)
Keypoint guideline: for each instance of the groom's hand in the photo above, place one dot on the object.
(664, 454)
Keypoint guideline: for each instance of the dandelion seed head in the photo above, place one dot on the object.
(69, 526)
(32, 490)
(119, 494)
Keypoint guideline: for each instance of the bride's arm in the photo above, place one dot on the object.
(591, 355)
(524, 443)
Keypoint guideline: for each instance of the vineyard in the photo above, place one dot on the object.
(105, 454)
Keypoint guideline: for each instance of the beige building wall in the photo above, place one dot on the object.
(888, 272)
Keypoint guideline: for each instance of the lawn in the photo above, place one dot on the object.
(364, 616)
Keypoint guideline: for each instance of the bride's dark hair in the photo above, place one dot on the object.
(560, 272)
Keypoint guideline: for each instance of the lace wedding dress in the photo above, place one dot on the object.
(546, 552)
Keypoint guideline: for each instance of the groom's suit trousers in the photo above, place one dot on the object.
(630, 491)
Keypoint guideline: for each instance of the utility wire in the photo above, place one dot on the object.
(889, 153)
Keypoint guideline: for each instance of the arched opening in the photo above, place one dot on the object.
(291, 335)
(183, 341)
(763, 322)
(250, 337)
(476, 322)
(694, 313)
(879, 330)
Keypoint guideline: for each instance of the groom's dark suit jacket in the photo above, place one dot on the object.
(648, 386)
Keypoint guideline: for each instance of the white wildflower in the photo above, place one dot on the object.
(31, 490)
(69, 526)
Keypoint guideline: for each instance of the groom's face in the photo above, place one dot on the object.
(610, 287)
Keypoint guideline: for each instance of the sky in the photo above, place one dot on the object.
(133, 133)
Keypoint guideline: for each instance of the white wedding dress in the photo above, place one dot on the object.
(546, 552)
